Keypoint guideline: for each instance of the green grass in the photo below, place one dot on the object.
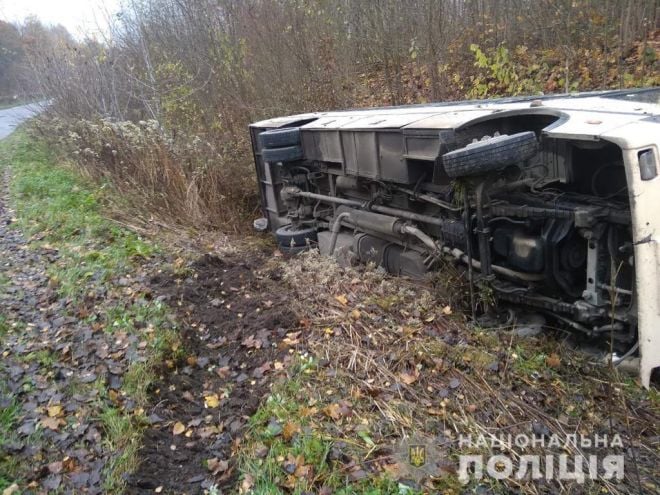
(61, 211)
(286, 405)
(120, 437)
(66, 212)
(8, 465)
(529, 361)
(4, 326)
(44, 357)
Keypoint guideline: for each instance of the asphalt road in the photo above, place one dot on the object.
(11, 117)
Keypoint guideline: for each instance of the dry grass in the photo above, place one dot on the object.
(184, 180)
(409, 367)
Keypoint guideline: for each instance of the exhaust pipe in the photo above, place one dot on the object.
(376, 222)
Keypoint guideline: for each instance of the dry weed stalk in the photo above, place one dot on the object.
(412, 368)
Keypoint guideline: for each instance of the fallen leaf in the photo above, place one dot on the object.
(211, 400)
(251, 342)
(246, 484)
(357, 475)
(408, 378)
(446, 310)
(54, 410)
(51, 423)
(217, 466)
(52, 482)
(261, 451)
(342, 299)
(223, 372)
(178, 428)
(289, 430)
(304, 471)
(291, 338)
(292, 463)
(333, 411)
(308, 411)
(553, 361)
(355, 314)
(260, 370)
(68, 463)
(207, 432)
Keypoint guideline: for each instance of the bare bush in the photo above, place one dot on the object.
(190, 180)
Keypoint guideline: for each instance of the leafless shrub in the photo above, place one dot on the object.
(186, 179)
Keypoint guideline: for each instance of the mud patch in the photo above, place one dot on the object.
(234, 319)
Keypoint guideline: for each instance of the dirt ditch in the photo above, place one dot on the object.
(237, 333)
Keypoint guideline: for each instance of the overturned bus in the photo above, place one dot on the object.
(552, 202)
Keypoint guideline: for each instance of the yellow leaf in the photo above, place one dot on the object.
(178, 428)
(355, 314)
(308, 411)
(54, 411)
(333, 411)
(211, 400)
(342, 299)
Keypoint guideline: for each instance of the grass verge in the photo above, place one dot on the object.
(8, 468)
(96, 272)
(287, 450)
